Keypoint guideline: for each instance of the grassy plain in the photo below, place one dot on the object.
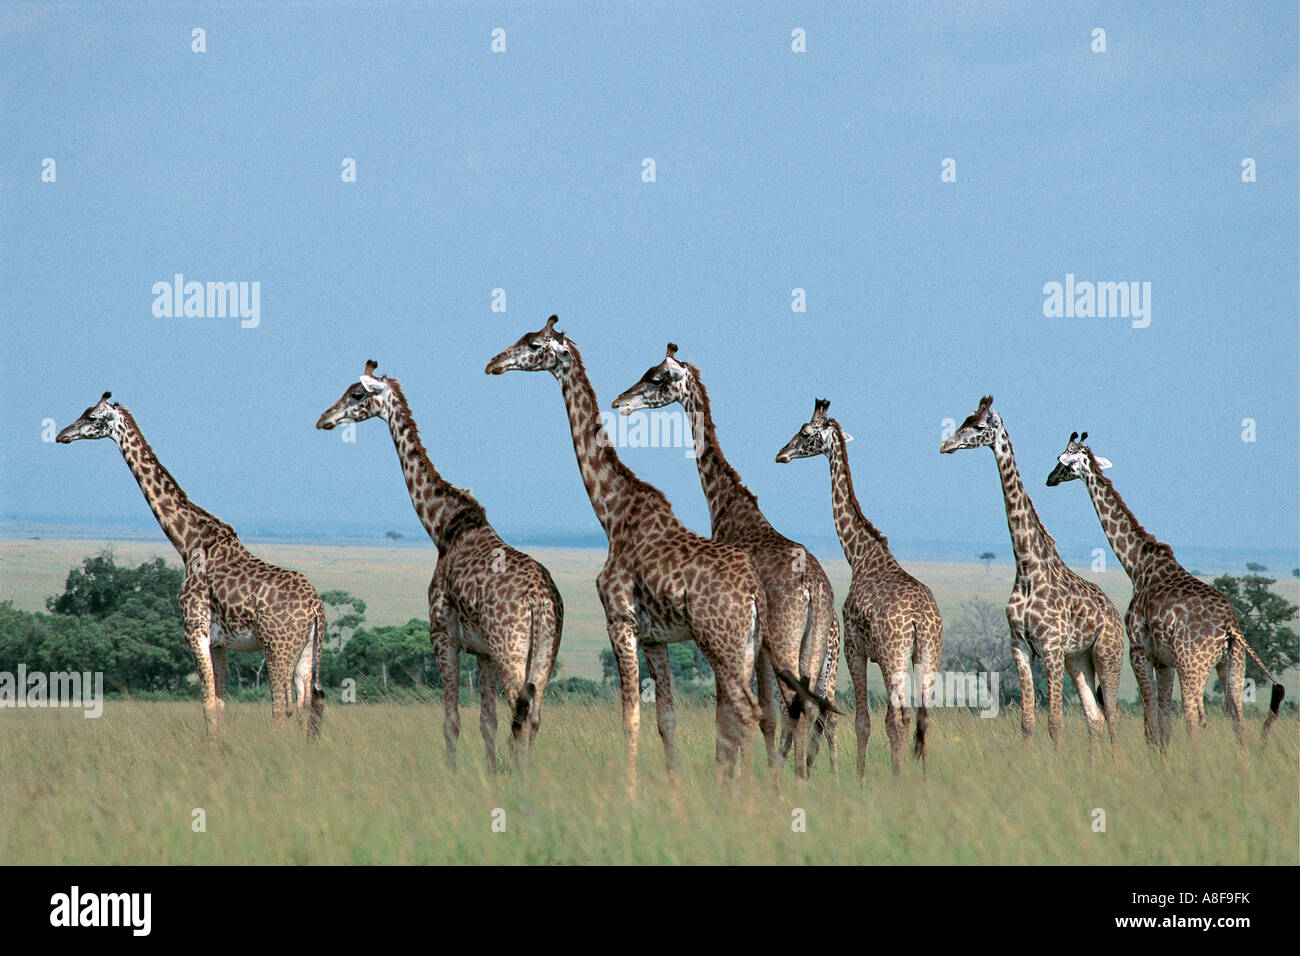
(376, 789)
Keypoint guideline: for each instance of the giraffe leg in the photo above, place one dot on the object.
(1108, 667)
(449, 670)
(824, 724)
(1054, 664)
(1146, 680)
(1020, 654)
(737, 717)
(767, 701)
(622, 638)
(1232, 673)
(1165, 683)
(832, 746)
(219, 668)
(304, 676)
(895, 724)
(657, 659)
(832, 718)
(1191, 682)
(1084, 676)
(197, 616)
(857, 661)
(921, 743)
(279, 668)
(487, 721)
(738, 709)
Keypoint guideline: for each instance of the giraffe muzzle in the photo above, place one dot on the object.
(1059, 474)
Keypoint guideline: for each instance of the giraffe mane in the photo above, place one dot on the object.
(1045, 535)
(605, 450)
(182, 498)
(441, 486)
(853, 495)
(707, 410)
(1149, 541)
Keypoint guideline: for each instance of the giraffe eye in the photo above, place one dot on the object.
(535, 345)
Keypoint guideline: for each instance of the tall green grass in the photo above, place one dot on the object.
(376, 789)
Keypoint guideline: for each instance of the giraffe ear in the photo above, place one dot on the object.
(847, 436)
(369, 382)
(1102, 463)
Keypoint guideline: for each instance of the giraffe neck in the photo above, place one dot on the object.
(723, 489)
(442, 508)
(1032, 545)
(187, 526)
(866, 549)
(1125, 535)
(610, 484)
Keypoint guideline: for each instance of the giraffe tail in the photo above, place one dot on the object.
(546, 619)
(526, 693)
(316, 691)
(1279, 692)
(922, 714)
(804, 695)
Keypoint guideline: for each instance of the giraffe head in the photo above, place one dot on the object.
(546, 350)
(815, 437)
(1077, 461)
(101, 420)
(979, 429)
(367, 397)
(667, 382)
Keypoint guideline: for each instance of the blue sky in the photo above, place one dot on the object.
(775, 170)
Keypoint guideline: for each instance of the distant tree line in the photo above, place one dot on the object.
(125, 621)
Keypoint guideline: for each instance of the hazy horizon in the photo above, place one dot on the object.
(1279, 562)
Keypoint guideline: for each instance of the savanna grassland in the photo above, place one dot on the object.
(375, 788)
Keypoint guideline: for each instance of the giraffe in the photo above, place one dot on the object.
(485, 597)
(1176, 623)
(230, 599)
(889, 616)
(661, 583)
(802, 635)
(1053, 613)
